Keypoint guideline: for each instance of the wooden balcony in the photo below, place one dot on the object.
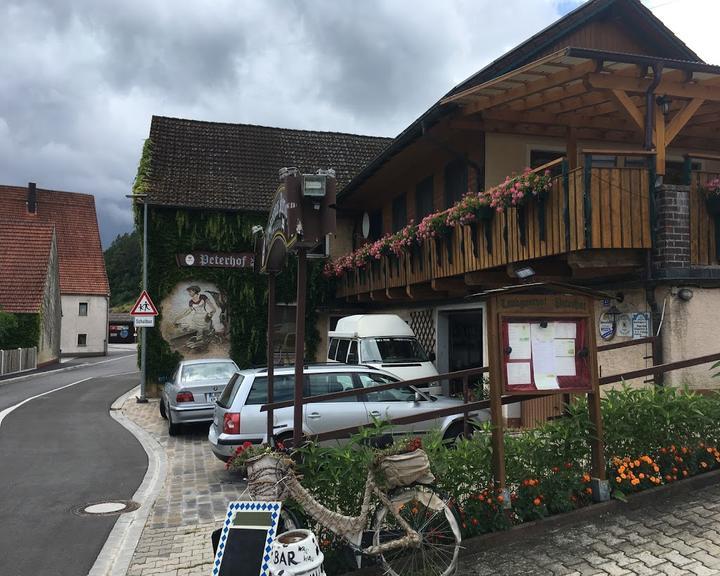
(597, 208)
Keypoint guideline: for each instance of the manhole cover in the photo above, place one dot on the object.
(107, 508)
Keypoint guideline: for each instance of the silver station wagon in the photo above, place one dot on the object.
(191, 393)
(238, 418)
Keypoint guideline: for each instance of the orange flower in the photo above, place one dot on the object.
(641, 476)
(588, 490)
(618, 479)
(586, 478)
(501, 499)
(536, 501)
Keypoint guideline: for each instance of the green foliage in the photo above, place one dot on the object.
(123, 263)
(19, 330)
(140, 186)
(653, 436)
(172, 231)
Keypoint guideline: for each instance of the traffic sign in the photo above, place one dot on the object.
(144, 306)
(144, 321)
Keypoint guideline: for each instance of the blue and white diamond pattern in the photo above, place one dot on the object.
(234, 508)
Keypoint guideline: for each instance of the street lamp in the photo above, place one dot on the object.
(142, 399)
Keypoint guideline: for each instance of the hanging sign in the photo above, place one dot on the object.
(640, 325)
(245, 540)
(144, 306)
(216, 259)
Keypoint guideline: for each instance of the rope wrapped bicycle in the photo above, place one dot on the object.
(414, 529)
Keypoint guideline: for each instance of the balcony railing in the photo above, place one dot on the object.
(586, 208)
(703, 243)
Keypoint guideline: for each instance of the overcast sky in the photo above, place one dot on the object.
(80, 79)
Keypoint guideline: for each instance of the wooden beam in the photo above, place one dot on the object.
(628, 106)
(378, 295)
(574, 102)
(554, 94)
(668, 88)
(552, 119)
(487, 278)
(592, 259)
(550, 81)
(423, 292)
(448, 285)
(660, 143)
(681, 118)
(396, 293)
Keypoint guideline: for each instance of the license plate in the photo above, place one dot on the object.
(212, 398)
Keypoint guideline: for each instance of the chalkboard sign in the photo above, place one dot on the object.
(245, 539)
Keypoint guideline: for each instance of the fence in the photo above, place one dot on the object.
(467, 407)
(18, 360)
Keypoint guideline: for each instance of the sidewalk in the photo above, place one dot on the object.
(192, 503)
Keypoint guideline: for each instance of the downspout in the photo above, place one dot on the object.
(650, 284)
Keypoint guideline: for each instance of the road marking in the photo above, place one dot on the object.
(11, 408)
(85, 365)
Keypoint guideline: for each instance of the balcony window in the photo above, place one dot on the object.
(375, 225)
(83, 309)
(399, 213)
(424, 199)
(456, 182)
(540, 157)
(82, 340)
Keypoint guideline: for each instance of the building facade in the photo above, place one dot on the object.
(84, 289)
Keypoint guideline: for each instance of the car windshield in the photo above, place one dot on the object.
(392, 350)
(207, 371)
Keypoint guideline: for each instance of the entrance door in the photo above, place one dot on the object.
(465, 330)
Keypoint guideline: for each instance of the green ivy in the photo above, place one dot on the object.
(19, 330)
(172, 231)
(140, 186)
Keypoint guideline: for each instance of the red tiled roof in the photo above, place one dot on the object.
(82, 268)
(24, 257)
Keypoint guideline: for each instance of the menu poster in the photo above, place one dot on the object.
(519, 340)
(518, 373)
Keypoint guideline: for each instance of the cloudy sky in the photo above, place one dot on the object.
(80, 79)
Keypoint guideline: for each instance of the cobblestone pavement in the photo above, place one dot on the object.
(192, 503)
(672, 535)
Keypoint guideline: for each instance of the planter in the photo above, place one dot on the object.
(266, 475)
(406, 469)
(296, 553)
(485, 213)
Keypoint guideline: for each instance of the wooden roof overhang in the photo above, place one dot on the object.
(592, 94)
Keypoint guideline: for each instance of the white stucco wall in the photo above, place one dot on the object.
(95, 325)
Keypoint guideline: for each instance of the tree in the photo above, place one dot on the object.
(123, 263)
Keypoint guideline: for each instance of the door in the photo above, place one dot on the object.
(395, 403)
(336, 414)
(465, 331)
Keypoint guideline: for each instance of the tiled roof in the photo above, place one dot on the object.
(82, 268)
(24, 257)
(235, 166)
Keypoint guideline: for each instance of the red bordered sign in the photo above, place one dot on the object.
(144, 306)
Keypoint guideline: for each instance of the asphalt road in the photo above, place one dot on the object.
(59, 451)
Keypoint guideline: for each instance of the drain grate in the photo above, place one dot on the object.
(105, 508)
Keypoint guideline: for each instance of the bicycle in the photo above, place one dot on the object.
(414, 529)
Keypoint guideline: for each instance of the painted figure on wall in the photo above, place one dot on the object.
(195, 320)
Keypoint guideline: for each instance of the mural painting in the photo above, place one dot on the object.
(194, 320)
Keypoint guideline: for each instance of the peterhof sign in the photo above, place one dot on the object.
(216, 259)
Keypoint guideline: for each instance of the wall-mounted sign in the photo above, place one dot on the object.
(216, 259)
(624, 325)
(607, 326)
(640, 325)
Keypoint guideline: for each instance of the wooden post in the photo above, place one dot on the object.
(587, 204)
(270, 357)
(571, 147)
(299, 348)
(659, 141)
(601, 491)
(496, 366)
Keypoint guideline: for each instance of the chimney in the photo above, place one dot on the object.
(32, 198)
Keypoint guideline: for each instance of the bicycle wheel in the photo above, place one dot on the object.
(289, 520)
(428, 513)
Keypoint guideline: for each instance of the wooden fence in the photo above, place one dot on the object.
(17, 360)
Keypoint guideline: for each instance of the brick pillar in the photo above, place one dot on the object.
(672, 239)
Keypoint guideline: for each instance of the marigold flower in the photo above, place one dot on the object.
(536, 501)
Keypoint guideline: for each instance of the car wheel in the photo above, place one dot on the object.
(162, 409)
(173, 428)
(453, 434)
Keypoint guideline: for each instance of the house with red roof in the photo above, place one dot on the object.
(84, 288)
(30, 286)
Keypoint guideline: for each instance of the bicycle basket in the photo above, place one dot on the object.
(406, 469)
(266, 477)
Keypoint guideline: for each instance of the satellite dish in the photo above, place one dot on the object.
(366, 225)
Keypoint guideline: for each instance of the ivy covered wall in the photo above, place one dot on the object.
(172, 231)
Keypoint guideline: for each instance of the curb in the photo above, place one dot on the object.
(523, 532)
(117, 552)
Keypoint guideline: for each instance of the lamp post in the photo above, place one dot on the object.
(142, 399)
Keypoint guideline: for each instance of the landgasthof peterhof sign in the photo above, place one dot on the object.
(216, 259)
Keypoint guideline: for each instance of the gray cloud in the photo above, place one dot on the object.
(81, 78)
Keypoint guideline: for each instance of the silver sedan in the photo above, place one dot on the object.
(191, 393)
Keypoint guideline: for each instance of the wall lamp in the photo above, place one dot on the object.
(684, 294)
(664, 103)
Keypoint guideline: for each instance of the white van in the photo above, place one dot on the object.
(383, 341)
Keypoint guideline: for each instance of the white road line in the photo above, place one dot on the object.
(11, 408)
(84, 365)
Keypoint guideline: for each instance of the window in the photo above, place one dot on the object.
(82, 339)
(456, 182)
(424, 199)
(83, 309)
(352, 357)
(342, 350)
(399, 213)
(369, 380)
(675, 171)
(540, 157)
(333, 348)
(230, 391)
(392, 350)
(283, 389)
(210, 371)
(375, 225)
(319, 384)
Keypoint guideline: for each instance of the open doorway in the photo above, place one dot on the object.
(465, 344)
